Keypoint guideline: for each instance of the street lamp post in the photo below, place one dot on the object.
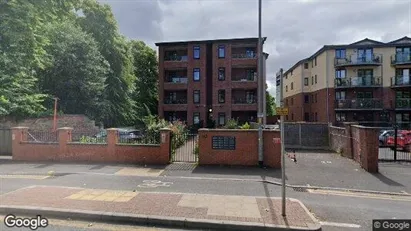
(260, 88)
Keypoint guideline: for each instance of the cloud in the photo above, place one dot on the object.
(295, 28)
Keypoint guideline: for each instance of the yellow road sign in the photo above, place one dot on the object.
(282, 111)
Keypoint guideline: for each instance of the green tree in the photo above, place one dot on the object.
(99, 21)
(77, 71)
(146, 85)
(270, 104)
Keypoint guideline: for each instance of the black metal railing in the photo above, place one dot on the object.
(373, 59)
(88, 137)
(177, 58)
(358, 103)
(140, 138)
(402, 103)
(400, 81)
(178, 79)
(401, 58)
(244, 101)
(42, 136)
(367, 81)
(244, 78)
(244, 55)
(175, 101)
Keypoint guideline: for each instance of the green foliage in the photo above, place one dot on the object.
(196, 149)
(89, 140)
(245, 126)
(231, 124)
(270, 104)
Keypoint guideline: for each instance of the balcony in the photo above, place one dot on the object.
(250, 100)
(359, 104)
(244, 57)
(353, 82)
(244, 100)
(401, 58)
(400, 81)
(403, 104)
(175, 59)
(169, 100)
(354, 60)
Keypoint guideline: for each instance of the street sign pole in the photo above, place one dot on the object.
(260, 86)
(282, 147)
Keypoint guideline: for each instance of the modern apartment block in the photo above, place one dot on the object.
(367, 81)
(201, 81)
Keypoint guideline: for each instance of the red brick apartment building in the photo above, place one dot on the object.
(367, 81)
(208, 80)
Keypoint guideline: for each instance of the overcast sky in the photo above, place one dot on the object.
(295, 28)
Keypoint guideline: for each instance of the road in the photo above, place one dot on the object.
(336, 212)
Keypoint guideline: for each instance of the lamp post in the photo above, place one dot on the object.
(260, 83)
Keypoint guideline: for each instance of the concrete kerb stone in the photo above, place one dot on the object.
(126, 218)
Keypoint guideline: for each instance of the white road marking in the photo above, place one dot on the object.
(336, 224)
(154, 184)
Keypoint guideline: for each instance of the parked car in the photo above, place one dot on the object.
(403, 140)
(383, 137)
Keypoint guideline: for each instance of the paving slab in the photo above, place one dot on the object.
(171, 209)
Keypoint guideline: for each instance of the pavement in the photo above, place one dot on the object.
(177, 209)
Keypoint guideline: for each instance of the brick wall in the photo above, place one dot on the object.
(112, 152)
(246, 151)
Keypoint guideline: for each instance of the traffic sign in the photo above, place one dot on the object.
(282, 111)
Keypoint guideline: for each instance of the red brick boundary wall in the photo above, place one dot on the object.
(246, 151)
(358, 143)
(112, 152)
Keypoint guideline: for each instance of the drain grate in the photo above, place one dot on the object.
(299, 189)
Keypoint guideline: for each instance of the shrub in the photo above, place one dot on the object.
(245, 126)
(89, 140)
(231, 124)
(196, 150)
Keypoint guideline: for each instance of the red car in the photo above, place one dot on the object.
(403, 141)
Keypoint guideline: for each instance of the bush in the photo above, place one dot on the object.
(231, 124)
(89, 140)
(196, 150)
(245, 126)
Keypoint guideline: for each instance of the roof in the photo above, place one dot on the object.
(364, 43)
(250, 39)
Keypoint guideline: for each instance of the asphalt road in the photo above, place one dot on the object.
(336, 212)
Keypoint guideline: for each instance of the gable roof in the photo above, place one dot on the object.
(402, 40)
(367, 41)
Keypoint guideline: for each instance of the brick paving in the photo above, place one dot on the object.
(212, 207)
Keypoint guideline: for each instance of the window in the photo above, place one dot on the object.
(312, 80)
(196, 96)
(291, 73)
(340, 74)
(306, 99)
(286, 117)
(196, 118)
(221, 96)
(292, 116)
(286, 88)
(196, 52)
(292, 101)
(286, 76)
(312, 63)
(305, 65)
(315, 61)
(286, 102)
(340, 95)
(196, 74)
(221, 73)
(340, 53)
(340, 117)
(306, 116)
(292, 86)
(315, 78)
(250, 96)
(306, 81)
(316, 97)
(221, 119)
(312, 98)
(316, 117)
(221, 51)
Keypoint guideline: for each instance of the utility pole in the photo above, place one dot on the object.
(260, 83)
(282, 147)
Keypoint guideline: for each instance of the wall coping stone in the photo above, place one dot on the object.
(143, 145)
(364, 127)
(65, 128)
(20, 128)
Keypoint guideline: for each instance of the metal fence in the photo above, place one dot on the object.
(42, 136)
(141, 138)
(395, 143)
(5, 142)
(306, 135)
(88, 137)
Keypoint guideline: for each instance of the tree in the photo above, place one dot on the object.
(146, 84)
(270, 104)
(77, 71)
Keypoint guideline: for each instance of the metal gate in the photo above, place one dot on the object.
(184, 147)
(395, 143)
(5, 141)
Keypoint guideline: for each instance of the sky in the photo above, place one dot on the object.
(295, 29)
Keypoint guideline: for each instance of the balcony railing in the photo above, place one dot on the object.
(175, 101)
(400, 81)
(246, 78)
(176, 58)
(244, 101)
(358, 103)
(177, 79)
(403, 103)
(355, 60)
(367, 81)
(244, 56)
(401, 58)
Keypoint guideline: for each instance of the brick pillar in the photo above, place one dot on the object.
(348, 147)
(18, 135)
(370, 146)
(64, 137)
(112, 140)
(165, 145)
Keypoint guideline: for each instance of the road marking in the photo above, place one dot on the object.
(139, 172)
(361, 195)
(154, 184)
(345, 225)
(32, 177)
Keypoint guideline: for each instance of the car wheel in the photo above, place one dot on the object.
(407, 148)
(392, 148)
